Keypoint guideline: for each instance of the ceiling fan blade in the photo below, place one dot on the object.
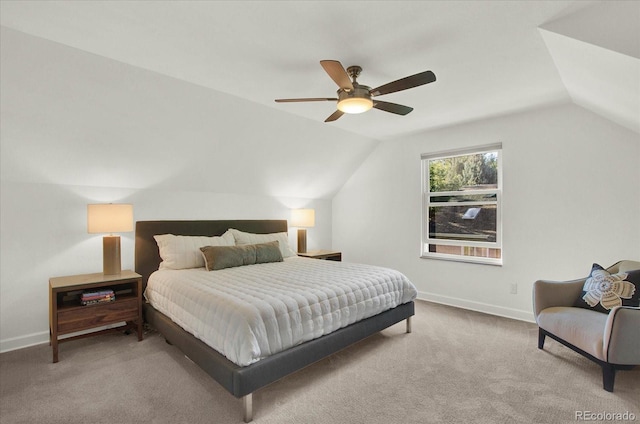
(337, 73)
(392, 107)
(310, 99)
(334, 116)
(405, 83)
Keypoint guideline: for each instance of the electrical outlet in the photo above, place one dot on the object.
(514, 288)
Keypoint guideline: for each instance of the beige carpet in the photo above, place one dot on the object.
(456, 367)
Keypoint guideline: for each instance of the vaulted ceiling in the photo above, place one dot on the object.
(490, 57)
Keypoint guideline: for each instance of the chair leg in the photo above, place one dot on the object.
(608, 376)
(541, 337)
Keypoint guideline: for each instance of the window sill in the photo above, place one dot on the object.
(468, 259)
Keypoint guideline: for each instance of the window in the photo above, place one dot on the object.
(461, 208)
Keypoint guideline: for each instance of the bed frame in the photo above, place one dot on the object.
(241, 382)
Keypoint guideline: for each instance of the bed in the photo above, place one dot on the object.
(242, 381)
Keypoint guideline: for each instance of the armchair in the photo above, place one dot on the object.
(611, 340)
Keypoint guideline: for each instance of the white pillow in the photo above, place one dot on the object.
(180, 252)
(243, 238)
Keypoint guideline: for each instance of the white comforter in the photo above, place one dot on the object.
(250, 312)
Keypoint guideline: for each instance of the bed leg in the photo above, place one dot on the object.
(247, 406)
(409, 325)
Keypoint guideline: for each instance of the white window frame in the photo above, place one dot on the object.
(426, 203)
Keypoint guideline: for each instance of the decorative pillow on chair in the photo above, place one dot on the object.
(602, 291)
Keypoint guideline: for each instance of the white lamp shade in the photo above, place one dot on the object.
(109, 218)
(304, 218)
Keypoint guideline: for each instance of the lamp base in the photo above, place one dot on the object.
(111, 255)
(302, 240)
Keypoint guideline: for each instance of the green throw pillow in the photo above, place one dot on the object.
(221, 257)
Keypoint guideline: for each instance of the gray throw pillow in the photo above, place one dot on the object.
(221, 257)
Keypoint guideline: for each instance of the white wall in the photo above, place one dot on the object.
(571, 197)
(78, 128)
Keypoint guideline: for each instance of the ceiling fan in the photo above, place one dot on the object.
(357, 98)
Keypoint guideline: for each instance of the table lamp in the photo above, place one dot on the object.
(110, 218)
(303, 219)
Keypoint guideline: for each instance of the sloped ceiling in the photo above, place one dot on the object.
(597, 53)
(490, 57)
(77, 119)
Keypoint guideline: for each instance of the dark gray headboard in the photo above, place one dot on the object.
(147, 256)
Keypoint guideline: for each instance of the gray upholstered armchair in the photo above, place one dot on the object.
(611, 340)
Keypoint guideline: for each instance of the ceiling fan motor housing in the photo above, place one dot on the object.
(356, 101)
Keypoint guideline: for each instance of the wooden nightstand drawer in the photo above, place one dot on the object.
(84, 317)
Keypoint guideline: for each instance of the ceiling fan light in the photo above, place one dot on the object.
(355, 105)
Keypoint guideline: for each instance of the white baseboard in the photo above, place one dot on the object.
(478, 306)
(20, 342)
(29, 340)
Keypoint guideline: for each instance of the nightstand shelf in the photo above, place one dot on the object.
(67, 315)
(329, 255)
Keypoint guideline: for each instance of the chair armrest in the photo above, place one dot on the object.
(547, 294)
(621, 336)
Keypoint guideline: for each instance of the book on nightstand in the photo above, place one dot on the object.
(93, 297)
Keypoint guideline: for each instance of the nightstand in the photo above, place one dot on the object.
(67, 315)
(329, 255)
